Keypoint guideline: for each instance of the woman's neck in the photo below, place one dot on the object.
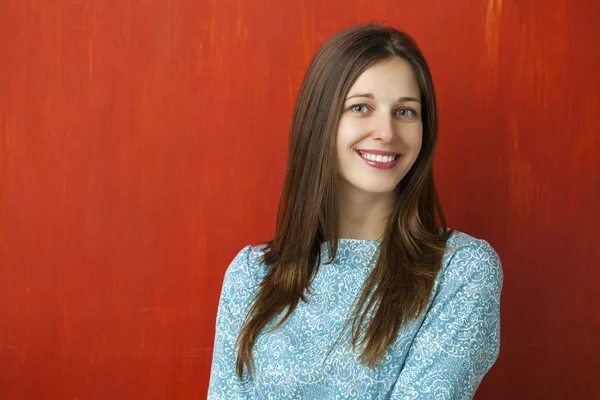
(364, 215)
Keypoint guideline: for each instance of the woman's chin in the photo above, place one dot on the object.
(373, 188)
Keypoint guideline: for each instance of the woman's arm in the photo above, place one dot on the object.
(459, 340)
(224, 383)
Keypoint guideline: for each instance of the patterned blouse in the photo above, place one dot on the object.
(444, 354)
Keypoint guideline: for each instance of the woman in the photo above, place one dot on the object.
(363, 293)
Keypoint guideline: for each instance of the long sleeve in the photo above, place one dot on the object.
(459, 339)
(224, 383)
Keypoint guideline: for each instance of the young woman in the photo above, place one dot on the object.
(363, 293)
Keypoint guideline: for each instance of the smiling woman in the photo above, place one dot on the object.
(381, 127)
(364, 292)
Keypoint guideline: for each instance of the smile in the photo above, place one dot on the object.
(381, 160)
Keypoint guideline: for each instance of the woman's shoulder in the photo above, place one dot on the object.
(468, 257)
(461, 243)
(247, 269)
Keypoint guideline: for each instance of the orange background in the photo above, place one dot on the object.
(143, 144)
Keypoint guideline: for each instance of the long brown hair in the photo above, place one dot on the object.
(415, 237)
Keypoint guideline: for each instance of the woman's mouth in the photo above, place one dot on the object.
(379, 159)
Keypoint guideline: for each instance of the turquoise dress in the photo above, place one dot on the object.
(444, 354)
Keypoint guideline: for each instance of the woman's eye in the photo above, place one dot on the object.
(359, 108)
(406, 113)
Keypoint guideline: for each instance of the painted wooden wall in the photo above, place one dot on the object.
(143, 144)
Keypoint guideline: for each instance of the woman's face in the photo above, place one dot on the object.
(380, 131)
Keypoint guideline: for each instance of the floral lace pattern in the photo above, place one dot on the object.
(444, 354)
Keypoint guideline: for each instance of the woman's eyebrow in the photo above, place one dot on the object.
(402, 99)
(368, 95)
(408, 98)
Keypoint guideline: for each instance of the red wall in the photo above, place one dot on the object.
(143, 143)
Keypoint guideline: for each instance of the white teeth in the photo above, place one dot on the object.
(378, 158)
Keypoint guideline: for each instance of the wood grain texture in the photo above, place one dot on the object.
(143, 144)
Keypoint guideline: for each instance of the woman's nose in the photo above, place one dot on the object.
(383, 128)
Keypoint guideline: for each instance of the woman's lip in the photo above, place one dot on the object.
(379, 152)
(378, 164)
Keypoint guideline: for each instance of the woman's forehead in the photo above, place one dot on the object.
(390, 79)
